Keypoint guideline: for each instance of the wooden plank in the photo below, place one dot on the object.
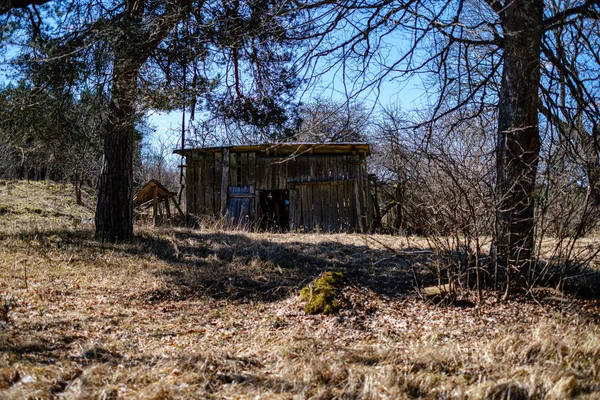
(283, 173)
(202, 184)
(216, 189)
(339, 222)
(292, 211)
(259, 172)
(311, 208)
(209, 198)
(274, 174)
(335, 216)
(262, 169)
(306, 208)
(233, 164)
(297, 205)
(252, 204)
(244, 170)
(317, 200)
(327, 196)
(350, 206)
(189, 189)
(347, 215)
(292, 171)
(306, 170)
(199, 200)
(318, 169)
(224, 181)
(331, 209)
(366, 196)
(273, 170)
(363, 197)
(177, 206)
(326, 206)
(206, 200)
(251, 168)
(358, 206)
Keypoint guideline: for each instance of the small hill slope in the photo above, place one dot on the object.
(42, 206)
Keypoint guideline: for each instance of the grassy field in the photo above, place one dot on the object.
(179, 313)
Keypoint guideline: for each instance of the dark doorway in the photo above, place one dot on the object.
(274, 208)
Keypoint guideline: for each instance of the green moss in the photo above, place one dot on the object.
(321, 295)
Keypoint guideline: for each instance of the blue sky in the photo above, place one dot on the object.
(408, 95)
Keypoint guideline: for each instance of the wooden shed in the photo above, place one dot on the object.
(293, 186)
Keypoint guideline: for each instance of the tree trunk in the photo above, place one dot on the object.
(114, 212)
(518, 139)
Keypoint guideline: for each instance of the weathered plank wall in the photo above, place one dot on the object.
(326, 192)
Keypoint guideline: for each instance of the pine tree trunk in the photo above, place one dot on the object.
(518, 139)
(114, 212)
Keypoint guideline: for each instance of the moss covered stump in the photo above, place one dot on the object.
(321, 295)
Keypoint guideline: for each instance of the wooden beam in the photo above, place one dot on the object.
(177, 205)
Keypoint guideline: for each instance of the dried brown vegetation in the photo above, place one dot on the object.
(179, 313)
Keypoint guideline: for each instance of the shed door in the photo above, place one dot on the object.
(240, 202)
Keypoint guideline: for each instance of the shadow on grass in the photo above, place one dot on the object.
(236, 266)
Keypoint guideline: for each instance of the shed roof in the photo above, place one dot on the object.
(286, 148)
(146, 193)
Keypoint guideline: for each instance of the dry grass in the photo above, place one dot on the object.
(207, 314)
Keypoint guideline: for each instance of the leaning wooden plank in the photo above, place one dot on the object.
(177, 205)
